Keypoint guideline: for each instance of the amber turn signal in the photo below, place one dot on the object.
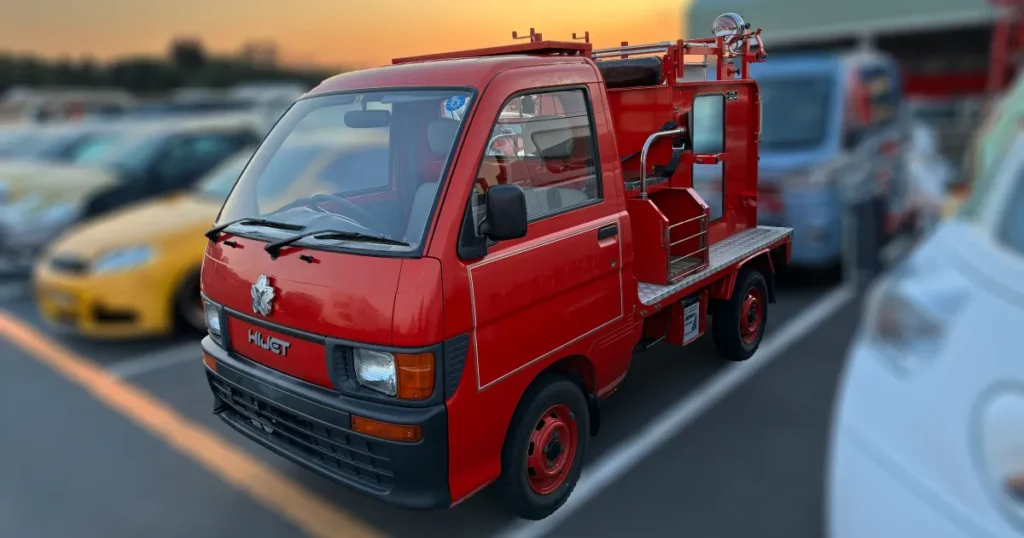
(415, 375)
(385, 430)
(209, 362)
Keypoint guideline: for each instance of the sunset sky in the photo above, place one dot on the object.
(334, 32)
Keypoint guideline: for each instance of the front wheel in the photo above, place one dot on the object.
(738, 323)
(543, 453)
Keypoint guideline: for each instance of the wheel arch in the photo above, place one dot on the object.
(764, 261)
(581, 371)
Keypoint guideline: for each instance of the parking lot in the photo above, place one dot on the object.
(97, 427)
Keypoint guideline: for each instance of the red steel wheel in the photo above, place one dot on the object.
(751, 312)
(552, 449)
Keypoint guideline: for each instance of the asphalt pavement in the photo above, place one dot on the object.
(78, 461)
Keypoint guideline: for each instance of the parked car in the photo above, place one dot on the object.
(135, 271)
(148, 160)
(927, 437)
(830, 134)
(58, 143)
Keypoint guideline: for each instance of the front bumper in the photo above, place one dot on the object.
(121, 305)
(311, 426)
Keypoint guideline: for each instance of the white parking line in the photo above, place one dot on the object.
(618, 461)
(158, 360)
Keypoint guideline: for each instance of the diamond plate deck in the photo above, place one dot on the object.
(723, 254)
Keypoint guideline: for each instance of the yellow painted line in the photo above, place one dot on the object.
(308, 511)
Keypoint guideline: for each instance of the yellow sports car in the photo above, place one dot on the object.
(135, 273)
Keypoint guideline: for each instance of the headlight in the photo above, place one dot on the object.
(908, 313)
(997, 428)
(212, 319)
(376, 370)
(408, 376)
(121, 260)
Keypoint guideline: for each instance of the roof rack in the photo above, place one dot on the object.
(739, 42)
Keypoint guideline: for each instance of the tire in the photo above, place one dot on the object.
(551, 411)
(738, 323)
(188, 307)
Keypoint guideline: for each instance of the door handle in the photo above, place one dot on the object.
(608, 231)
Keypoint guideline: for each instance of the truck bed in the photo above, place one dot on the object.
(724, 254)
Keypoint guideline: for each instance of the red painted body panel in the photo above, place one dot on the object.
(343, 296)
(304, 360)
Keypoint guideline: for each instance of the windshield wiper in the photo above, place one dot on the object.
(274, 248)
(211, 234)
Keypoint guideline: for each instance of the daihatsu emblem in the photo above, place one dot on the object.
(262, 296)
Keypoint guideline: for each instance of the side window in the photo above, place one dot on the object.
(543, 142)
(708, 129)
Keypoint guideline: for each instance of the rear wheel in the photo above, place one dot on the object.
(738, 323)
(543, 453)
(188, 306)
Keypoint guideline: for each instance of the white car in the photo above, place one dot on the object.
(928, 430)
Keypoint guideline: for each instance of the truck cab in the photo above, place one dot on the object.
(454, 312)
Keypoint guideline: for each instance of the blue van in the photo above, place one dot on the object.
(830, 133)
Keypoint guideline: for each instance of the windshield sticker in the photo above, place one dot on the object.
(454, 103)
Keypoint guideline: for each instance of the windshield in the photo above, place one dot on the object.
(996, 202)
(127, 152)
(218, 183)
(25, 145)
(795, 112)
(331, 163)
(1011, 229)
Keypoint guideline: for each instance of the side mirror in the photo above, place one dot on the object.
(707, 124)
(506, 213)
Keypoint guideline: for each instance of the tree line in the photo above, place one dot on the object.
(186, 64)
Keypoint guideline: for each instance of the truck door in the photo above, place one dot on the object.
(563, 283)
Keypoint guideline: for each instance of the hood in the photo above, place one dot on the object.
(51, 183)
(356, 298)
(147, 223)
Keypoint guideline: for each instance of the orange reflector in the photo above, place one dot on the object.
(415, 375)
(384, 430)
(209, 362)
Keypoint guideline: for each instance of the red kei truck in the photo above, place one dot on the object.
(455, 310)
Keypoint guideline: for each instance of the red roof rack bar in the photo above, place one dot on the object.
(538, 48)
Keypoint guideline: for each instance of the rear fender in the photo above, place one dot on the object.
(762, 261)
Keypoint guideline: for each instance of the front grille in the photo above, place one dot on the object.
(69, 264)
(337, 452)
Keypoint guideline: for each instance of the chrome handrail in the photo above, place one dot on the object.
(643, 156)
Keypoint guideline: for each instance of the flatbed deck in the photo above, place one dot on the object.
(724, 254)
